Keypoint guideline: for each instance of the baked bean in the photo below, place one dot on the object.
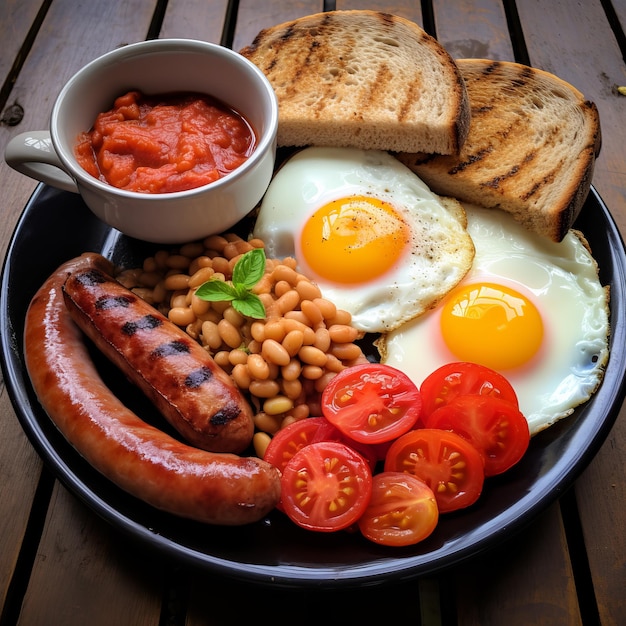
(293, 341)
(281, 287)
(328, 309)
(199, 306)
(285, 273)
(149, 279)
(255, 242)
(177, 262)
(300, 412)
(233, 316)
(144, 293)
(343, 333)
(312, 372)
(312, 311)
(312, 356)
(323, 380)
(257, 330)
(210, 335)
(181, 316)
(264, 388)
(267, 423)
(322, 339)
(258, 367)
(274, 352)
(288, 301)
(346, 351)
(292, 388)
(299, 316)
(277, 405)
(229, 333)
(222, 359)
(260, 441)
(308, 290)
(308, 334)
(292, 370)
(159, 293)
(238, 357)
(201, 276)
(333, 364)
(215, 242)
(340, 317)
(221, 265)
(178, 299)
(192, 250)
(160, 259)
(274, 329)
(241, 376)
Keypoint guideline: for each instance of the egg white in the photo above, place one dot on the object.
(562, 280)
(437, 258)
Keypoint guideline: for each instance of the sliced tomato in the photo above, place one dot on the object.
(450, 465)
(462, 378)
(402, 510)
(372, 403)
(497, 428)
(326, 486)
(289, 440)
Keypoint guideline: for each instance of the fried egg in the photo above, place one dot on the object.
(529, 308)
(368, 231)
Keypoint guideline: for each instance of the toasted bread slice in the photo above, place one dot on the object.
(362, 79)
(530, 151)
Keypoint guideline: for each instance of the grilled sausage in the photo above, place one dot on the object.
(214, 488)
(194, 394)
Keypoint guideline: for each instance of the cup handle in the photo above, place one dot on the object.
(32, 153)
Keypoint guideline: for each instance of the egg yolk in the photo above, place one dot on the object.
(354, 240)
(492, 325)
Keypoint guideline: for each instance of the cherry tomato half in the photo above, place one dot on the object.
(326, 486)
(289, 440)
(372, 403)
(462, 378)
(402, 511)
(450, 465)
(496, 428)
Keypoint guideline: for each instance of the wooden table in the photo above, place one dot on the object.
(61, 564)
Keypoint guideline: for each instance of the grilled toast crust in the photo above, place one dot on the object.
(530, 151)
(363, 79)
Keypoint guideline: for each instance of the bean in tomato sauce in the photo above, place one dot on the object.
(165, 143)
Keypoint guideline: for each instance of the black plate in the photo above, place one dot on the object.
(56, 226)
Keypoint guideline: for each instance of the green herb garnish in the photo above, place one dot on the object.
(247, 272)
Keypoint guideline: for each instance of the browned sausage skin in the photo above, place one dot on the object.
(194, 394)
(215, 488)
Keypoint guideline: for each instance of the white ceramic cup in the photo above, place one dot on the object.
(156, 67)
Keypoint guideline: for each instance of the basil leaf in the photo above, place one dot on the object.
(216, 290)
(250, 306)
(250, 268)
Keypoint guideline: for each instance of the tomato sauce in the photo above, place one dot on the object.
(166, 143)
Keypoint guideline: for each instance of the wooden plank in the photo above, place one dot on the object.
(72, 35)
(398, 603)
(197, 20)
(406, 8)
(20, 469)
(601, 497)
(473, 29)
(16, 19)
(579, 46)
(252, 18)
(514, 584)
(86, 573)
